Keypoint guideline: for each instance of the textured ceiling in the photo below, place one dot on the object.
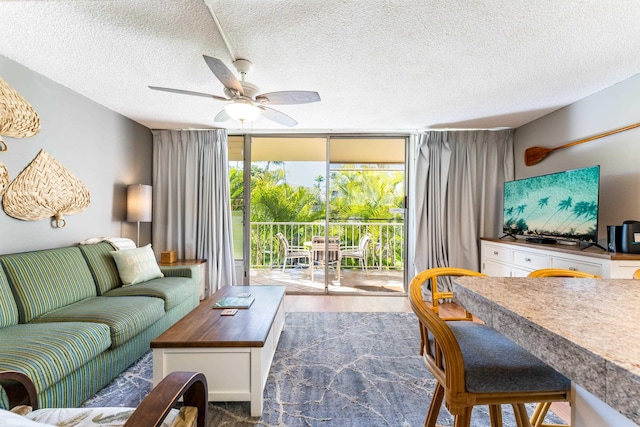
(378, 65)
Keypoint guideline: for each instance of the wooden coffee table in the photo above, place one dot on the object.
(234, 352)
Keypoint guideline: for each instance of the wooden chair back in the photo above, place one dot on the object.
(431, 275)
(439, 349)
(559, 272)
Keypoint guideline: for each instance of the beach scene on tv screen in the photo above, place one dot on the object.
(563, 205)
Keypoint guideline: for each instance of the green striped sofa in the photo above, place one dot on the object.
(67, 322)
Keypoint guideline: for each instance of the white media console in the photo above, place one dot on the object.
(517, 258)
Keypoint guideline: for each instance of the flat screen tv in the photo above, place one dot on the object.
(562, 205)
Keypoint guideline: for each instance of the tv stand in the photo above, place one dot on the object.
(500, 258)
(508, 234)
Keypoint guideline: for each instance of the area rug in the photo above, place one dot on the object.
(330, 369)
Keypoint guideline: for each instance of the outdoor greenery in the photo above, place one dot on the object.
(364, 194)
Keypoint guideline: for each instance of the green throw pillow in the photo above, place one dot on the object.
(136, 265)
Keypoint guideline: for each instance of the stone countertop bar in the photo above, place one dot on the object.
(588, 329)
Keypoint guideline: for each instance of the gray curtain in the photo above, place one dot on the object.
(458, 194)
(191, 204)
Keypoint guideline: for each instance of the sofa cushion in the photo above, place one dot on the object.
(8, 308)
(46, 280)
(136, 265)
(173, 290)
(102, 266)
(125, 316)
(48, 352)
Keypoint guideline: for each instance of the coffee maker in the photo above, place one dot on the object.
(630, 237)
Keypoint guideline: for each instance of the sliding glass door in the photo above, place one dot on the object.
(288, 210)
(326, 213)
(366, 210)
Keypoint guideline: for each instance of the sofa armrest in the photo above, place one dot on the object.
(190, 386)
(19, 388)
(177, 272)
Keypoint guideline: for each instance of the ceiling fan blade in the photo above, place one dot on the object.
(289, 97)
(188, 92)
(223, 74)
(278, 117)
(222, 116)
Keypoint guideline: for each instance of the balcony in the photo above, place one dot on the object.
(384, 258)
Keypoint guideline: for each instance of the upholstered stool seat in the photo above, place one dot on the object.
(495, 364)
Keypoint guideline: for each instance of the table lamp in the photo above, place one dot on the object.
(139, 205)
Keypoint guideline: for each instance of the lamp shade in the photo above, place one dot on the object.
(139, 203)
(243, 111)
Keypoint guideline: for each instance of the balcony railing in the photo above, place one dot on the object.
(385, 251)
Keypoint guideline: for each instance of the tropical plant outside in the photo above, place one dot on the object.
(361, 195)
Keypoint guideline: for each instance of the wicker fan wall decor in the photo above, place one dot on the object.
(4, 178)
(45, 189)
(18, 119)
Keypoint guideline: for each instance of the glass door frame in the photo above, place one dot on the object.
(247, 194)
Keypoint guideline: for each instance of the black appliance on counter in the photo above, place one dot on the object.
(624, 238)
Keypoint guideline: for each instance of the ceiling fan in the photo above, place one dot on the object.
(246, 104)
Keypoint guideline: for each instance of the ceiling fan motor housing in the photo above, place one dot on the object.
(243, 66)
(250, 90)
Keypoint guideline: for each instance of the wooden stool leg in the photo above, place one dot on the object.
(434, 408)
(464, 419)
(537, 419)
(540, 412)
(520, 413)
(495, 415)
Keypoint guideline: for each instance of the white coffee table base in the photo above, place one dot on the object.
(234, 374)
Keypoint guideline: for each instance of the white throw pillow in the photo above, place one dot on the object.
(136, 265)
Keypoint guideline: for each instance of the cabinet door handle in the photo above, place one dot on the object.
(527, 259)
(495, 252)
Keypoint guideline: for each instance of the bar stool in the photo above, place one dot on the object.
(636, 275)
(541, 410)
(475, 365)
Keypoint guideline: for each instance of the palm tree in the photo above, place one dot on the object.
(563, 205)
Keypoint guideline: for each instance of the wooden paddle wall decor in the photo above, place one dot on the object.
(534, 155)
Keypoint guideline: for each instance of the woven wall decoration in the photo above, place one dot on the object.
(18, 119)
(4, 178)
(45, 189)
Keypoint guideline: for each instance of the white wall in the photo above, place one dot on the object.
(105, 150)
(618, 155)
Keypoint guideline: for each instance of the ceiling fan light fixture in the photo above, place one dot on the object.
(243, 111)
